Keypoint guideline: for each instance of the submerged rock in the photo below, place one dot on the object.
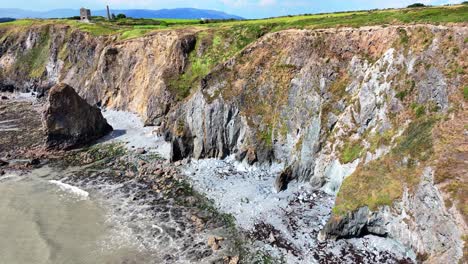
(3, 163)
(34, 162)
(6, 88)
(69, 121)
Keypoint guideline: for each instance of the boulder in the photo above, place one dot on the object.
(251, 156)
(351, 225)
(356, 224)
(69, 121)
(141, 151)
(283, 179)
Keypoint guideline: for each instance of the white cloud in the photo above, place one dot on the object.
(120, 2)
(235, 3)
(249, 3)
(125, 3)
(267, 2)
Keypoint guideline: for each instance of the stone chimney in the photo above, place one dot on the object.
(108, 13)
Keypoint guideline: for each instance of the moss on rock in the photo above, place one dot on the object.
(382, 181)
(32, 62)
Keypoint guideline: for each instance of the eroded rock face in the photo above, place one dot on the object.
(206, 130)
(319, 90)
(420, 221)
(297, 97)
(131, 75)
(69, 121)
(320, 93)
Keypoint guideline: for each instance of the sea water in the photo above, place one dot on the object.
(48, 221)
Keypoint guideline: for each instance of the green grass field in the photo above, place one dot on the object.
(132, 28)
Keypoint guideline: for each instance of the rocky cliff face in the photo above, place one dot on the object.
(299, 96)
(131, 75)
(420, 221)
(352, 111)
(330, 104)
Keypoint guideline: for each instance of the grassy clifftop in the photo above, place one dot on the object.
(130, 28)
(220, 40)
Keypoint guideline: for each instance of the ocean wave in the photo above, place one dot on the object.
(71, 189)
(9, 177)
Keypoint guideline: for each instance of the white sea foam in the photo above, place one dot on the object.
(9, 121)
(8, 125)
(29, 97)
(9, 177)
(155, 229)
(26, 96)
(71, 189)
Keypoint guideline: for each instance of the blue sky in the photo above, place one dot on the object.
(245, 8)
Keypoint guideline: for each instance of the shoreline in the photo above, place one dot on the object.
(236, 196)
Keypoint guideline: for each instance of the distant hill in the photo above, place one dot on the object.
(6, 19)
(179, 13)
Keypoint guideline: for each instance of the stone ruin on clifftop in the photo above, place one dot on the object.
(85, 15)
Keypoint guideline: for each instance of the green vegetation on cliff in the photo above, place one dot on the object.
(216, 42)
(219, 41)
(213, 47)
(382, 181)
(32, 62)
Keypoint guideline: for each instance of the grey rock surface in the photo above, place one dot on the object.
(69, 121)
(420, 221)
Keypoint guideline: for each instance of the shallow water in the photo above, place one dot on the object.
(45, 221)
(98, 215)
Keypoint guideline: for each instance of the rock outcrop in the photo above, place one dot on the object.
(3, 163)
(407, 221)
(69, 121)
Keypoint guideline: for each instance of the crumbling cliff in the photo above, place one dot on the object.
(132, 75)
(357, 112)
